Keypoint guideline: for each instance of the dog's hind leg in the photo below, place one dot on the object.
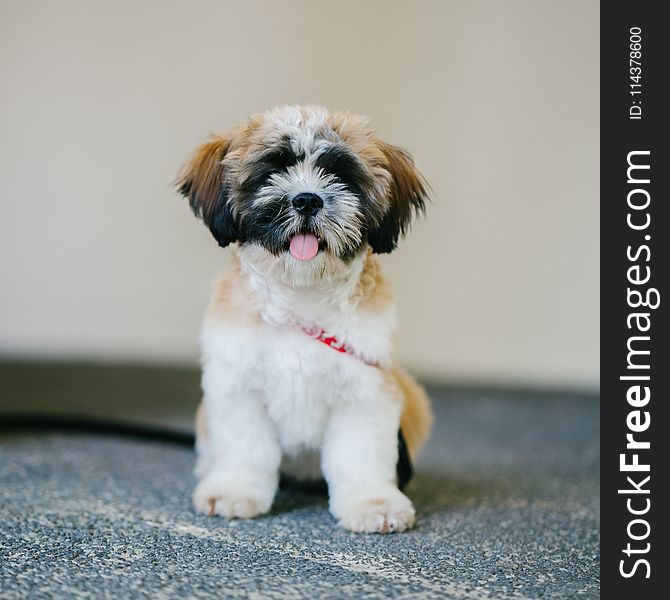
(417, 416)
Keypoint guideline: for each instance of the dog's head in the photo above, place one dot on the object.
(302, 183)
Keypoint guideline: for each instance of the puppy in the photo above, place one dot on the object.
(297, 353)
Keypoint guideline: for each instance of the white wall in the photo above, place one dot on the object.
(498, 102)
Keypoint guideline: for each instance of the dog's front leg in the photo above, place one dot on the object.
(243, 454)
(359, 462)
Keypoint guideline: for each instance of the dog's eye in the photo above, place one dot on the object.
(272, 161)
(279, 159)
(346, 167)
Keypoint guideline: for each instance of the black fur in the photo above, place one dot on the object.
(278, 158)
(218, 216)
(209, 192)
(408, 195)
(264, 226)
(348, 168)
(222, 222)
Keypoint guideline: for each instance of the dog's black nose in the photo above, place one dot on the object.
(307, 203)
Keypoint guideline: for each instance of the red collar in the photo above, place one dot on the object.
(332, 342)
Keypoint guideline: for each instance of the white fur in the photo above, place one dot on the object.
(339, 222)
(276, 396)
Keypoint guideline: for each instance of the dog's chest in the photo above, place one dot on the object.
(304, 379)
(300, 380)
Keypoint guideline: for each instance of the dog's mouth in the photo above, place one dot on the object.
(304, 246)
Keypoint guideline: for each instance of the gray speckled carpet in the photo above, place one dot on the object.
(506, 492)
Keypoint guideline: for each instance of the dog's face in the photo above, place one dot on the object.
(304, 185)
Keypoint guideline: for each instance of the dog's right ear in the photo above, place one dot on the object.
(202, 181)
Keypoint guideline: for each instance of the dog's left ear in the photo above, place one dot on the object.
(408, 192)
(202, 181)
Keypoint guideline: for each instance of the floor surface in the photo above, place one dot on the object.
(507, 495)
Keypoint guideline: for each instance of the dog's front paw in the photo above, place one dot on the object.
(383, 513)
(212, 497)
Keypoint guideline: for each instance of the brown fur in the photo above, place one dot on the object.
(202, 176)
(417, 416)
(373, 291)
(395, 188)
(408, 187)
(231, 301)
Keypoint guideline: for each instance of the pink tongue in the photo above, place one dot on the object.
(304, 246)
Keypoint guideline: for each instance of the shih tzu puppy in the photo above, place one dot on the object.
(297, 344)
